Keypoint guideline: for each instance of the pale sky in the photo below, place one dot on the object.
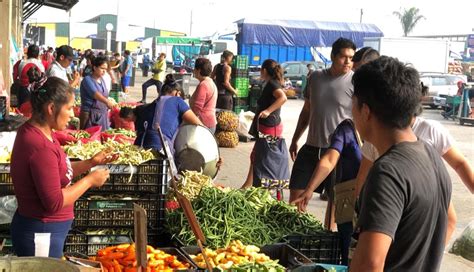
(442, 17)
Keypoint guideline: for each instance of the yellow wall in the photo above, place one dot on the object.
(81, 43)
(132, 46)
(49, 26)
(165, 33)
(61, 41)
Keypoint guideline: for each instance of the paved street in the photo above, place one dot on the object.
(236, 162)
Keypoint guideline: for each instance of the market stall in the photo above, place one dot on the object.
(245, 230)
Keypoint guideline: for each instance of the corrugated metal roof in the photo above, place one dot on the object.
(32, 6)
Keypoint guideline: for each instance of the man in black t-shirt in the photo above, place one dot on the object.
(404, 203)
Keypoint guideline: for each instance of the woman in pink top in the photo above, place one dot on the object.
(42, 173)
(204, 99)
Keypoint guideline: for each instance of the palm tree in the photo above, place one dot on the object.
(409, 18)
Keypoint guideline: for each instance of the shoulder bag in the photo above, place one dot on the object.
(344, 196)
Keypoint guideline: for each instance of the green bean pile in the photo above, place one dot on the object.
(251, 216)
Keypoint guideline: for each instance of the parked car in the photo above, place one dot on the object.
(440, 86)
(254, 75)
(296, 71)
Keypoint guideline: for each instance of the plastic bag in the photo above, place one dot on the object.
(117, 138)
(7, 139)
(8, 207)
(118, 122)
(464, 245)
(66, 136)
(245, 121)
(77, 111)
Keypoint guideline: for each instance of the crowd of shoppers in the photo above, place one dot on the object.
(365, 133)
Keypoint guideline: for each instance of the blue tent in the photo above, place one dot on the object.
(302, 33)
(291, 40)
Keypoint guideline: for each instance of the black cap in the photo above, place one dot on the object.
(65, 50)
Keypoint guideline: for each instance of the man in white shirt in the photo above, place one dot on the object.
(64, 58)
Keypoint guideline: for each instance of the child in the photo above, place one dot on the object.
(345, 150)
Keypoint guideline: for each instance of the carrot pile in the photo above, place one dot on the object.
(122, 258)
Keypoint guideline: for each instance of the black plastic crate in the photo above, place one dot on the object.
(149, 177)
(6, 185)
(239, 102)
(320, 248)
(240, 73)
(321, 268)
(286, 255)
(89, 243)
(6, 242)
(97, 213)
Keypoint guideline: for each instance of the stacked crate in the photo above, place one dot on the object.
(104, 216)
(254, 94)
(240, 81)
(6, 189)
(115, 92)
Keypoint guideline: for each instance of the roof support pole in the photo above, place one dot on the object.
(5, 36)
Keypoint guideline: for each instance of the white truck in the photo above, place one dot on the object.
(426, 55)
(430, 57)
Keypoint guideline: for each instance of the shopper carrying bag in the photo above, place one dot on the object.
(269, 157)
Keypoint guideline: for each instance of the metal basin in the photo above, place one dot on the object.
(196, 149)
(22, 264)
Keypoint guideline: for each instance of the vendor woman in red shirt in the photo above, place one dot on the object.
(42, 173)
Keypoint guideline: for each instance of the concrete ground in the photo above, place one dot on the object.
(236, 163)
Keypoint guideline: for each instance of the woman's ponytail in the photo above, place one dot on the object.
(274, 70)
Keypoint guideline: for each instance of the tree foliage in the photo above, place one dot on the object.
(409, 18)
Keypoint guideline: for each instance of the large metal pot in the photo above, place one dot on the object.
(22, 264)
(196, 149)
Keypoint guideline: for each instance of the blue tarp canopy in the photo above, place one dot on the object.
(302, 33)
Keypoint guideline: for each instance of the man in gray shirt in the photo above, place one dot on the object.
(327, 103)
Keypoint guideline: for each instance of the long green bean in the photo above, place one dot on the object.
(250, 215)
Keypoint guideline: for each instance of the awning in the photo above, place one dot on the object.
(32, 6)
